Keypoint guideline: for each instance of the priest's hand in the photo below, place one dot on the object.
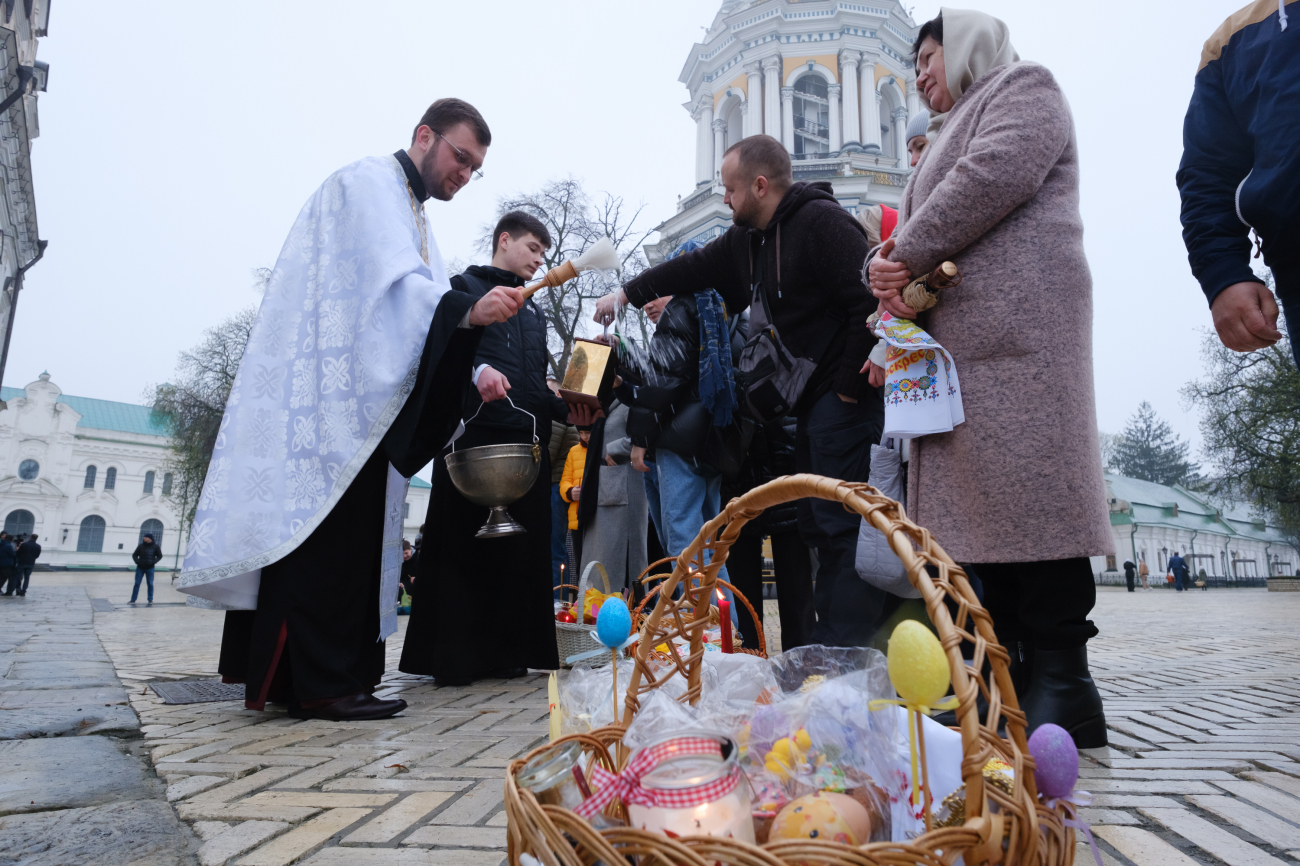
(496, 306)
(492, 385)
(582, 415)
(607, 307)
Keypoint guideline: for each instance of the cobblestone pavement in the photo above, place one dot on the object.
(1200, 689)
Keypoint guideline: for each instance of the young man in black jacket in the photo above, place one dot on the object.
(512, 359)
(146, 556)
(799, 247)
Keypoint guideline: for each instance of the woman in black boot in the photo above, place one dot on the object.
(1016, 488)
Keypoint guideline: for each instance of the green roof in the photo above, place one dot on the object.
(1179, 508)
(103, 414)
(417, 481)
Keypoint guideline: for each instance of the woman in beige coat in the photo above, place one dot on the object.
(1015, 492)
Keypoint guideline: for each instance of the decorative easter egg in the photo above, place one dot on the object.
(614, 622)
(917, 666)
(1056, 760)
(824, 816)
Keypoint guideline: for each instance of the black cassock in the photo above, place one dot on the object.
(315, 633)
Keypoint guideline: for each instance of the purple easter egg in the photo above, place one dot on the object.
(1056, 760)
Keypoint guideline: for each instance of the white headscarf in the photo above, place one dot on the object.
(974, 43)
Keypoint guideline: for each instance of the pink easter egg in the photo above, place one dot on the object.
(1056, 760)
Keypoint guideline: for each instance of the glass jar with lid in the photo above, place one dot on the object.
(697, 792)
(555, 776)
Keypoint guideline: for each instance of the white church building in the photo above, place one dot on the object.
(89, 477)
(832, 79)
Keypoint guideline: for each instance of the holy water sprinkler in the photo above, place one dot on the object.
(600, 256)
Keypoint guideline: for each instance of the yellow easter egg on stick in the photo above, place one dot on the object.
(918, 667)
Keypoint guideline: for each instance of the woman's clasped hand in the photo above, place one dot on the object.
(888, 279)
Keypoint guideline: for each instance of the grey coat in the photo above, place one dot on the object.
(998, 194)
(616, 536)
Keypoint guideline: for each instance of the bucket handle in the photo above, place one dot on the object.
(512, 406)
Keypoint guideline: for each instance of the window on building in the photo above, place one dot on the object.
(812, 135)
(91, 537)
(90, 478)
(151, 527)
(148, 481)
(110, 479)
(28, 470)
(167, 484)
(20, 522)
(406, 511)
(1110, 562)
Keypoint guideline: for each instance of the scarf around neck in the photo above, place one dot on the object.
(974, 43)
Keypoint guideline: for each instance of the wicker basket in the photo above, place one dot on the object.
(1017, 831)
(639, 616)
(572, 638)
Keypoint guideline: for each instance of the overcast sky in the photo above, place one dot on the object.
(179, 140)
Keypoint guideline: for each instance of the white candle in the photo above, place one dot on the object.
(729, 815)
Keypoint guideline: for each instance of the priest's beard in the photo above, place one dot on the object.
(434, 182)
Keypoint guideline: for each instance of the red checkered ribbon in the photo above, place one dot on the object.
(626, 786)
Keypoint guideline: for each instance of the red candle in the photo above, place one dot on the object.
(724, 614)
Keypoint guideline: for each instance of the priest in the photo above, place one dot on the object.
(352, 380)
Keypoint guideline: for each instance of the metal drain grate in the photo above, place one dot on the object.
(198, 692)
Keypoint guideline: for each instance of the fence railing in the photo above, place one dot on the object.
(1157, 581)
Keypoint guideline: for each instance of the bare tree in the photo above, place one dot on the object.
(575, 223)
(192, 407)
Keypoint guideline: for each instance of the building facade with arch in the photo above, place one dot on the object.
(86, 475)
(832, 79)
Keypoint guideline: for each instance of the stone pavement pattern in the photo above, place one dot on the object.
(1203, 766)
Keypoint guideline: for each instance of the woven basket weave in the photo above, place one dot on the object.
(1012, 829)
(572, 638)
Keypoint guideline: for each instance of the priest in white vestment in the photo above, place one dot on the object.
(352, 380)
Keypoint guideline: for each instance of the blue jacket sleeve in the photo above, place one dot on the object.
(1217, 156)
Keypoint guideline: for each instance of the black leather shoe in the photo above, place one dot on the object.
(353, 708)
(1061, 691)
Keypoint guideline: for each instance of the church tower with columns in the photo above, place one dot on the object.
(832, 79)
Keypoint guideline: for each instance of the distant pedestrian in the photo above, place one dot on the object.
(146, 556)
(8, 573)
(1130, 572)
(1178, 568)
(1143, 574)
(28, 552)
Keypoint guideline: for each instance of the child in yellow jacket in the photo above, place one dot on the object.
(571, 481)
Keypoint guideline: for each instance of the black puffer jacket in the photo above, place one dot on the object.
(821, 307)
(663, 395)
(517, 349)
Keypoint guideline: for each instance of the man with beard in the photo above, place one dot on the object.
(511, 362)
(352, 379)
(794, 258)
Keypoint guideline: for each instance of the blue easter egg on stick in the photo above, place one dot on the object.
(1056, 760)
(614, 622)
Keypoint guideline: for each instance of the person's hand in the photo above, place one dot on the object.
(492, 385)
(575, 493)
(609, 461)
(887, 276)
(638, 459)
(875, 374)
(607, 307)
(847, 399)
(1245, 315)
(582, 415)
(496, 306)
(894, 304)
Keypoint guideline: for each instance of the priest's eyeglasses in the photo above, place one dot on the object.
(462, 158)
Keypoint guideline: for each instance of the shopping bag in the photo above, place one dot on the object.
(876, 562)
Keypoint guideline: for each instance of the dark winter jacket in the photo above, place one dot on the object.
(664, 409)
(517, 349)
(147, 555)
(28, 552)
(1178, 566)
(819, 305)
(7, 554)
(1241, 163)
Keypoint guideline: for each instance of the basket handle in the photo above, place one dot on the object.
(581, 600)
(512, 406)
